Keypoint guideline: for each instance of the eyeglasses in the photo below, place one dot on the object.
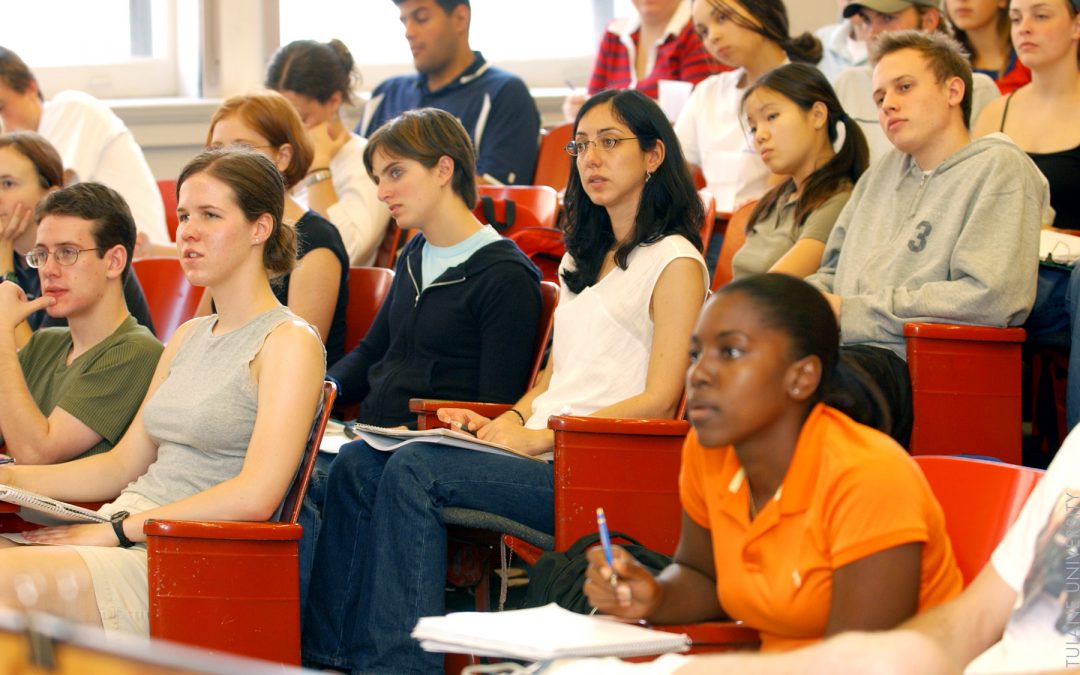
(65, 255)
(240, 146)
(607, 144)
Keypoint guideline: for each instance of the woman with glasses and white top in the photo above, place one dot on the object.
(633, 281)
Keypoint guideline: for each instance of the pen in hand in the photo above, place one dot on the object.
(463, 427)
(605, 542)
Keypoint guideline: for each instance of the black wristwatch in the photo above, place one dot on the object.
(118, 519)
(12, 277)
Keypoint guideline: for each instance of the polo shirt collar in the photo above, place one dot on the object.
(476, 69)
(797, 488)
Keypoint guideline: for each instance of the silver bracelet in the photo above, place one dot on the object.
(317, 176)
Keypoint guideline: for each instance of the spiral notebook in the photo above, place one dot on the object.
(47, 511)
(542, 634)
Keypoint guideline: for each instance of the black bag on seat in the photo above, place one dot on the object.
(559, 576)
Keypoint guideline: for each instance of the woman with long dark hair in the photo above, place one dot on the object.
(633, 280)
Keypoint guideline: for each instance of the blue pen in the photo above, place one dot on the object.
(605, 541)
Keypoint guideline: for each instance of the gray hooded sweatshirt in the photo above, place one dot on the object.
(959, 244)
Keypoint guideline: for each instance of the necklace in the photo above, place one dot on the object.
(753, 502)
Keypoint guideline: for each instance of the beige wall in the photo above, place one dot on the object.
(811, 14)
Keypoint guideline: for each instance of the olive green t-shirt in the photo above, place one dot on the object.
(103, 387)
(776, 232)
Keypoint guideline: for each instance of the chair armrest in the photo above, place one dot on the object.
(628, 466)
(425, 409)
(716, 636)
(951, 331)
(231, 530)
(618, 426)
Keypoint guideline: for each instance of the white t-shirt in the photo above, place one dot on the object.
(855, 89)
(603, 335)
(358, 214)
(94, 143)
(1039, 559)
(713, 138)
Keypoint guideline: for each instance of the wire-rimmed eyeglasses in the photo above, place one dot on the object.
(606, 143)
(65, 255)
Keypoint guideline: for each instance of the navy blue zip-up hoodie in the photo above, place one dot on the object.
(468, 336)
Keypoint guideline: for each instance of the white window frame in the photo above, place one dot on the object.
(137, 78)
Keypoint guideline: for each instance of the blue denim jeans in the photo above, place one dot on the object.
(380, 557)
(1056, 312)
(311, 521)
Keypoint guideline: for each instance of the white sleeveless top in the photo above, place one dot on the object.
(603, 335)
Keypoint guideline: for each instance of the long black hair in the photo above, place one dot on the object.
(804, 86)
(669, 203)
(795, 308)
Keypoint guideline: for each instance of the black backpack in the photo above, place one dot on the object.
(559, 576)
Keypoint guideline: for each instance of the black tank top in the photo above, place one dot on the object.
(1062, 171)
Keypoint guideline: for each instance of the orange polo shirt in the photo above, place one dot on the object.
(850, 491)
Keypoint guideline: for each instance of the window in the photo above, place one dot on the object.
(130, 51)
(548, 44)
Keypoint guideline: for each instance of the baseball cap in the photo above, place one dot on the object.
(891, 6)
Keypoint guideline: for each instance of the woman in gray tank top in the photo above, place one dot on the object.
(224, 423)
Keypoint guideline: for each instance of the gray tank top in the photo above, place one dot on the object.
(202, 415)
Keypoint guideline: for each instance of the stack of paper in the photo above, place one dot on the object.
(541, 634)
(1058, 247)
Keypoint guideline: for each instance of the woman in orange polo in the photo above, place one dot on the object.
(797, 520)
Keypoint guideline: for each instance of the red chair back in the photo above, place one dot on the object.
(552, 162)
(734, 237)
(368, 287)
(387, 253)
(534, 206)
(966, 390)
(171, 297)
(549, 298)
(167, 188)
(294, 498)
(709, 202)
(981, 500)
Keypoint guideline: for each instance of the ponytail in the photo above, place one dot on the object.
(804, 85)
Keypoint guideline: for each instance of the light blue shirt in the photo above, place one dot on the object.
(434, 260)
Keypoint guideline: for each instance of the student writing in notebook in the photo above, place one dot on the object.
(221, 431)
(633, 280)
(797, 520)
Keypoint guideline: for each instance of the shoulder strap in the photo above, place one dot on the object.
(1005, 112)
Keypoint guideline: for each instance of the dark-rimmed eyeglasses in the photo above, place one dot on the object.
(606, 143)
(64, 255)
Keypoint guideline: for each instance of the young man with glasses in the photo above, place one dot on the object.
(71, 392)
(494, 106)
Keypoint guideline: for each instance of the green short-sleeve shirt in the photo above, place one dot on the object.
(775, 232)
(103, 387)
